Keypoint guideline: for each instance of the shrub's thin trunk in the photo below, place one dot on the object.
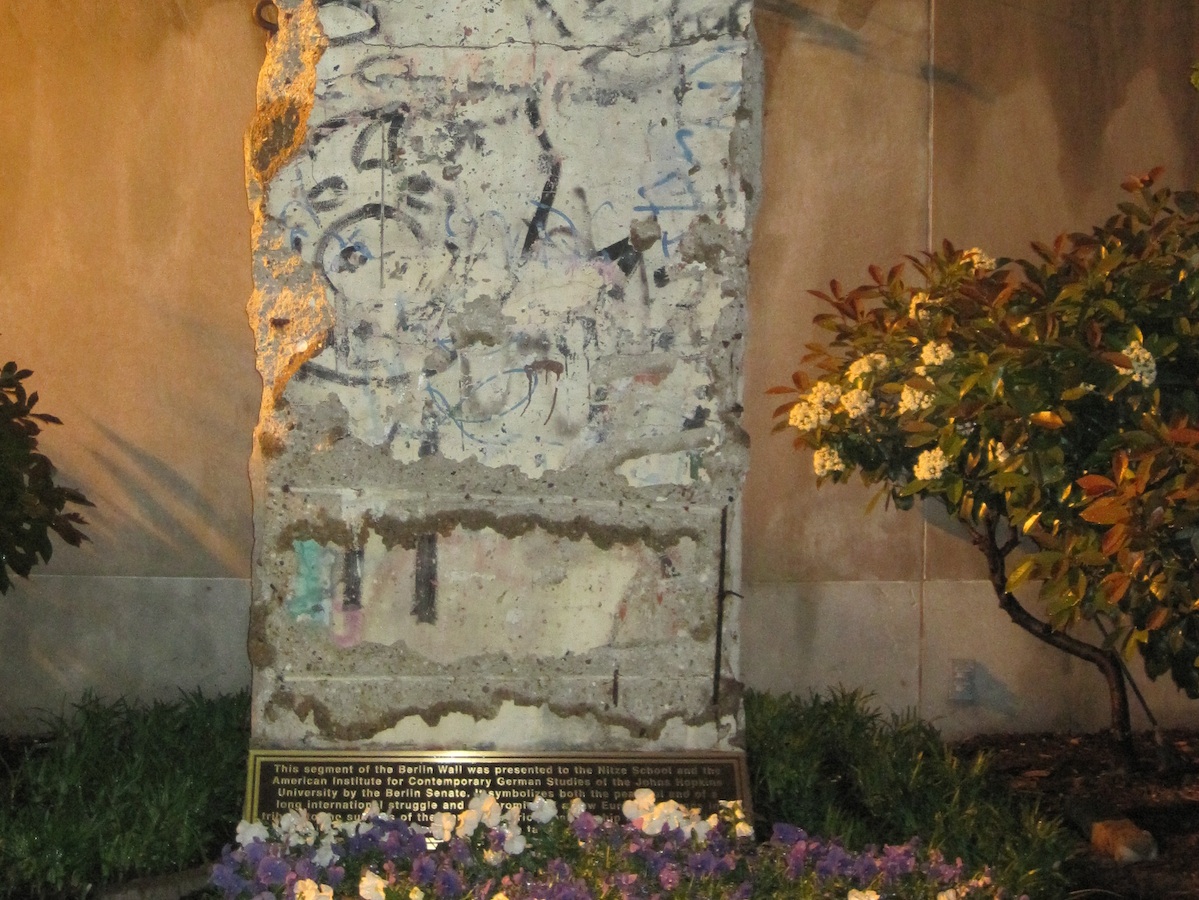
(1104, 659)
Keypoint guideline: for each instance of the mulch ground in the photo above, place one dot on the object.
(1160, 795)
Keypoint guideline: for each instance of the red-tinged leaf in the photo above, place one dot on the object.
(822, 295)
(780, 389)
(1094, 334)
(1143, 472)
(835, 287)
(1185, 436)
(783, 410)
(1115, 586)
(1095, 485)
(1108, 511)
(1116, 359)
(1114, 539)
(1132, 184)
(896, 271)
(1157, 618)
(877, 274)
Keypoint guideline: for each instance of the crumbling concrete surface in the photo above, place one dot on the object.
(500, 263)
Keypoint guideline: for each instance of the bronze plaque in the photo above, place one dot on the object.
(413, 785)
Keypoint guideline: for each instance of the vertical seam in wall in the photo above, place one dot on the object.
(922, 649)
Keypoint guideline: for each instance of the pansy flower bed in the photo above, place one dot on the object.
(663, 851)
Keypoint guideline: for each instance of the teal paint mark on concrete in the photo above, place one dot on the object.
(309, 600)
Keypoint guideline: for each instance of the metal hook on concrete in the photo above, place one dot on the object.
(268, 22)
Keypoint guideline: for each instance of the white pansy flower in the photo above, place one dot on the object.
(743, 830)
(499, 895)
(416, 894)
(371, 886)
(577, 808)
(931, 464)
(541, 810)
(512, 816)
(249, 832)
(642, 803)
(468, 823)
(488, 809)
(1144, 367)
(514, 842)
(950, 894)
(855, 894)
(307, 889)
(857, 403)
(296, 828)
(441, 827)
(936, 353)
(912, 400)
(917, 309)
(826, 461)
(323, 856)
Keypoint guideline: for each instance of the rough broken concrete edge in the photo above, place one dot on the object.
(362, 730)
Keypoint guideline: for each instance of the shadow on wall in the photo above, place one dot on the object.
(1084, 55)
(162, 522)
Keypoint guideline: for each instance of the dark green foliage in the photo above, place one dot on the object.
(120, 791)
(836, 767)
(31, 504)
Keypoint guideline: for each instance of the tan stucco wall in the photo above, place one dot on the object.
(1034, 113)
(124, 274)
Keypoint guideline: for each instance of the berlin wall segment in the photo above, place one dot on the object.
(500, 269)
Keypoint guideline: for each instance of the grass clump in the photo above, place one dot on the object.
(120, 790)
(834, 766)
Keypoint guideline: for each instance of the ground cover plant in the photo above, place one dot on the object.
(836, 766)
(662, 852)
(1050, 404)
(119, 790)
(869, 804)
(905, 819)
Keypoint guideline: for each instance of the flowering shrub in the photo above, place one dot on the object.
(664, 851)
(1053, 400)
(32, 504)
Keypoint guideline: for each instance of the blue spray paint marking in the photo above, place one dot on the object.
(309, 598)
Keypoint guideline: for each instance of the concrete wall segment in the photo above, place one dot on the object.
(499, 276)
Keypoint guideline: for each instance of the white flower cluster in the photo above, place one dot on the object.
(651, 817)
(936, 353)
(931, 465)
(979, 260)
(912, 400)
(918, 307)
(1144, 366)
(826, 461)
(857, 403)
(864, 365)
(824, 393)
(812, 411)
